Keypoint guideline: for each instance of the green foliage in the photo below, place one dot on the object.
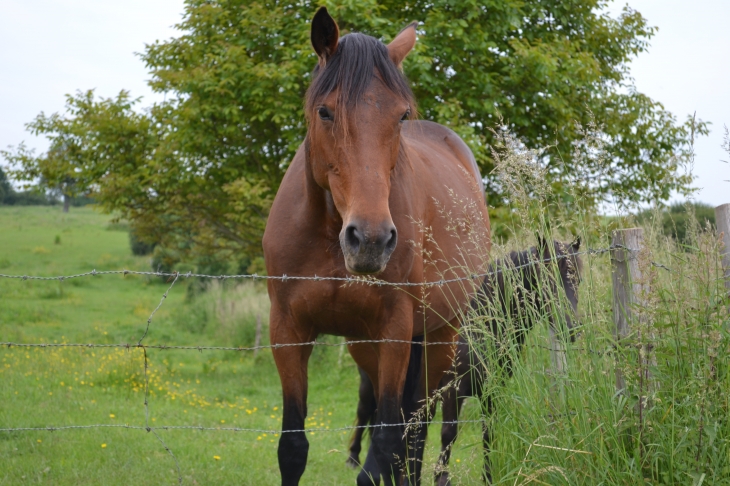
(680, 219)
(6, 188)
(203, 166)
(139, 246)
(164, 260)
(100, 146)
(10, 197)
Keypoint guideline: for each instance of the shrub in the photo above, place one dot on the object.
(140, 247)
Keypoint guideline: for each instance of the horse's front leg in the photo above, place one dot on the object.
(386, 363)
(291, 362)
(387, 440)
(437, 360)
(453, 399)
(366, 407)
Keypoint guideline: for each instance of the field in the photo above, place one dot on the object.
(62, 386)
(549, 427)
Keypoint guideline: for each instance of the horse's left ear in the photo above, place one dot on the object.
(325, 35)
(542, 246)
(399, 48)
(576, 243)
(541, 242)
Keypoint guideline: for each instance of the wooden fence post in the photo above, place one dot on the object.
(557, 353)
(722, 220)
(628, 289)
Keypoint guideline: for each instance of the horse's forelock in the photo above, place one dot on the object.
(351, 69)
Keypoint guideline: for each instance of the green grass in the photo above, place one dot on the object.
(548, 428)
(71, 386)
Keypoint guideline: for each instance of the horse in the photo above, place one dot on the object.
(512, 284)
(371, 193)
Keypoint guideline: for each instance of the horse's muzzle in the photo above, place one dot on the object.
(367, 248)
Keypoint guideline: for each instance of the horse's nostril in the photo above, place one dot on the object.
(352, 238)
(390, 245)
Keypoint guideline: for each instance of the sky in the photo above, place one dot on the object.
(686, 69)
(51, 48)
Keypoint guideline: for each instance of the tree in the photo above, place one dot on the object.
(101, 146)
(205, 164)
(6, 189)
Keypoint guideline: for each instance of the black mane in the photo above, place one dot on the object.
(351, 69)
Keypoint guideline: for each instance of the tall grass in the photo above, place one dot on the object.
(228, 314)
(574, 426)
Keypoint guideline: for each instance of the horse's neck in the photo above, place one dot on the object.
(321, 203)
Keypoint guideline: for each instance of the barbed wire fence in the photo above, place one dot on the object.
(174, 277)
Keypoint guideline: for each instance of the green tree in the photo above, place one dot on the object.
(6, 189)
(96, 146)
(200, 170)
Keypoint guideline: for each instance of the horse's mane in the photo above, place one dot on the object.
(351, 69)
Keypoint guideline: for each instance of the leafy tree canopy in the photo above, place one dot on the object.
(201, 168)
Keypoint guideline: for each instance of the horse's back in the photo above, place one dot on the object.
(435, 135)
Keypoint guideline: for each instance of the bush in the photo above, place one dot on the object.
(140, 247)
(164, 260)
(28, 198)
(676, 221)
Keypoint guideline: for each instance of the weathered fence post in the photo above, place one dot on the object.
(628, 289)
(722, 220)
(257, 340)
(557, 353)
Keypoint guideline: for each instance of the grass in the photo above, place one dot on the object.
(549, 428)
(70, 386)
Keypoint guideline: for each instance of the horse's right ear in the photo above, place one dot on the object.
(325, 35)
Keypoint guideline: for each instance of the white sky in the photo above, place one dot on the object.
(51, 48)
(687, 70)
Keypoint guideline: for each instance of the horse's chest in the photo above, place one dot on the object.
(352, 310)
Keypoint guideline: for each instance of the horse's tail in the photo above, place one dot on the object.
(413, 375)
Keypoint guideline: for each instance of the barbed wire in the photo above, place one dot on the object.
(219, 348)
(175, 277)
(348, 279)
(53, 428)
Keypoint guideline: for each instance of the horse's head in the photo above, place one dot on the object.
(566, 257)
(356, 106)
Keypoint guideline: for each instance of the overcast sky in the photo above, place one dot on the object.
(51, 48)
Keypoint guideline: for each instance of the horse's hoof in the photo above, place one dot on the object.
(365, 479)
(353, 462)
(443, 480)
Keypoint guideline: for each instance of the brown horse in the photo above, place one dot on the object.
(520, 289)
(371, 193)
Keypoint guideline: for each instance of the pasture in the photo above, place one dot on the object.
(66, 386)
(549, 427)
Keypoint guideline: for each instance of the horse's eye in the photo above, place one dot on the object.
(324, 113)
(406, 115)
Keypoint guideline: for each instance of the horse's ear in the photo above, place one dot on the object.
(399, 48)
(541, 243)
(576, 244)
(325, 35)
(542, 246)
